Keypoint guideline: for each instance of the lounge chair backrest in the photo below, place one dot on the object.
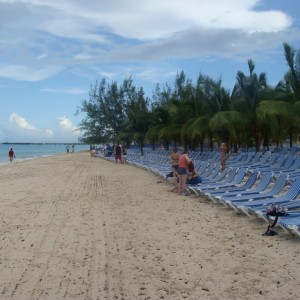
(264, 158)
(279, 184)
(289, 162)
(202, 167)
(230, 175)
(208, 170)
(265, 180)
(294, 190)
(280, 161)
(256, 157)
(239, 176)
(251, 180)
(293, 150)
(296, 163)
(214, 173)
(221, 176)
(272, 159)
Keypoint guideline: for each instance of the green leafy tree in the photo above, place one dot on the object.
(282, 112)
(104, 113)
(238, 123)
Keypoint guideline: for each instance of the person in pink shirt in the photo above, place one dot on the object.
(184, 161)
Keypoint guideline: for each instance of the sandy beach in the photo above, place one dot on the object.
(76, 227)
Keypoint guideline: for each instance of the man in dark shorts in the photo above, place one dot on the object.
(118, 153)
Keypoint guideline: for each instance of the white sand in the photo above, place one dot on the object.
(76, 227)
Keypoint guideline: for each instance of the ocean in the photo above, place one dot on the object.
(30, 151)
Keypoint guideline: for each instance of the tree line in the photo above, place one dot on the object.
(197, 115)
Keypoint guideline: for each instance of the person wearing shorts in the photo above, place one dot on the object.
(184, 161)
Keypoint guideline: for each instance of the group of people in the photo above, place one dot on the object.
(119, 151)
(68, 148)
(183, 169)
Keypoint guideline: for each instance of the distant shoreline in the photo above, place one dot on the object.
(7, 143)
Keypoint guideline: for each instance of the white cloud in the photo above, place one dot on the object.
(41, 38)
(24, 129)
(20, 122)
(156, 18)
(72, 91)
(22, 72)
(67, 125)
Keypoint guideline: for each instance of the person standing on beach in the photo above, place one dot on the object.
(183, 163)
(224, 156)
(11, 155)
(118, 153)
(174, 158)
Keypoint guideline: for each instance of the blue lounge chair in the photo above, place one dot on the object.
(220, 178)
(246, 161)
(208, 170)
(234, 178)
(246, 199)
(232, 191)
(264, 182)
(291, 224)
(275, 166)
(293, 168)
(213, 176)
(202, 167)
(259, 207)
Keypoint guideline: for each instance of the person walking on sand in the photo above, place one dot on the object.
(224, 156)
(183, 163)
(11, 155)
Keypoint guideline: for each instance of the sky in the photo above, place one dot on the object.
(52, 51)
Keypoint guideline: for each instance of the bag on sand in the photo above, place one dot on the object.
(170, 174)
(275, 210)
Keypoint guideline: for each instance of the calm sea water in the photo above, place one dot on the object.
(30, 151)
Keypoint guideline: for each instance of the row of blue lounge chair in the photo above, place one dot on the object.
(251, 182)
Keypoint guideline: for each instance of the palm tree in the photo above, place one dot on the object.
(283, 110)
(292, 77)
(249, 91)
(209, 98)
